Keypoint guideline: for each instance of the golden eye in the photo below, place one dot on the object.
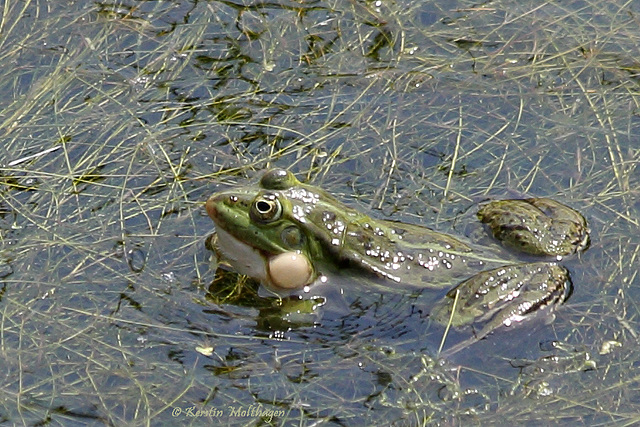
(266, 208)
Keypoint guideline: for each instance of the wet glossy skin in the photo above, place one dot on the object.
(259, 223)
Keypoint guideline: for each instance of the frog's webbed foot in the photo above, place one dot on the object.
(536, 226)
(503, 296)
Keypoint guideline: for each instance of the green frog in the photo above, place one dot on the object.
(288, 235)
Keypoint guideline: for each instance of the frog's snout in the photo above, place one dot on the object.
(210, 206)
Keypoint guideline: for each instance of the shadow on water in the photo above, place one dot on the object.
(119, 119)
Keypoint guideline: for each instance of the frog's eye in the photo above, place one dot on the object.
(266, 208)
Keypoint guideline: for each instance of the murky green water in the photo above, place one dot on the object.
(118, 120)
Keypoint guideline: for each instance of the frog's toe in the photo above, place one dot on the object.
(536, 226)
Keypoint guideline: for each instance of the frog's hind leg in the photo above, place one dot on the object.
(536, 226)
(502, 297)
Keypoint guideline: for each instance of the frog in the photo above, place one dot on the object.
(287, 235)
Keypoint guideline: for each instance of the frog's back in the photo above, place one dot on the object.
(400, 252)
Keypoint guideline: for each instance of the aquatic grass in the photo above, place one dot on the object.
(119, 118)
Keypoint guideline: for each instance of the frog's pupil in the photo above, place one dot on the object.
(263, 207)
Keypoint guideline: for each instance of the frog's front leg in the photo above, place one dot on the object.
(503, 296)
(536, 226)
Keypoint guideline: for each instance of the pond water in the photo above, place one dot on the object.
(119, 119)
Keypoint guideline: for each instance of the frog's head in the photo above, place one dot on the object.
(262, 233)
